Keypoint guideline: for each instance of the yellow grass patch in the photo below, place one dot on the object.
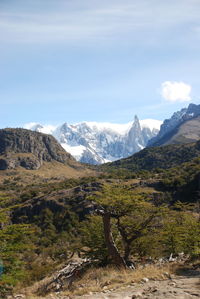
(51, 171)
(96, 280)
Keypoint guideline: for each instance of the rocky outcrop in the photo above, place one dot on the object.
(28, 149)
(182, 127)
(10, 161)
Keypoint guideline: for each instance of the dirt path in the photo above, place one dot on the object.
(186, 286)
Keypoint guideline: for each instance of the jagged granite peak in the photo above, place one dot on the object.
(29, 149)
(135, 140)
(97, 143)
(170, 125)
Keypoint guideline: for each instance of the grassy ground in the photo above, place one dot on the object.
(51, 171)
(109, 278)
(96, 280)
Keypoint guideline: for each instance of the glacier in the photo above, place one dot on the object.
(101, 142)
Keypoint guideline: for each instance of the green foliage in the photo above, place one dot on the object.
(133, 215)
(180, 232)
(152, 158)
(14, 240)
(39, 241)
(93, 242)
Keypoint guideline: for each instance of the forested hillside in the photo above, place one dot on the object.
(44, 225)
(158, 157)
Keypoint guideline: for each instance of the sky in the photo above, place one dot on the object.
(88, 60)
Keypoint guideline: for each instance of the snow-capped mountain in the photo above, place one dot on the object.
(172, 123)
(96, 143)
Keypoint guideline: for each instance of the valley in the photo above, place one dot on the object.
(99, 149)
(55, 211)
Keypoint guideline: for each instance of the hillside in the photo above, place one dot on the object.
(47, 220)
(182, 127)
(158, 157)
(46, 223)
(188, 131)
(20, 147)
(26, 156)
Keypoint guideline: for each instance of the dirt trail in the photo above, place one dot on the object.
(186, 286)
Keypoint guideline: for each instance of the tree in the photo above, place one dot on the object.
(14, 240)
(92, 233)
(181, 230)
(133, 216)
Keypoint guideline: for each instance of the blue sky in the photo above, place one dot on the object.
(75, 60)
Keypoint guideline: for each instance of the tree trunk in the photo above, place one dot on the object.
(112, 249)
(127, 250)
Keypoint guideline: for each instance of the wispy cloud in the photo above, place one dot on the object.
(110, 19)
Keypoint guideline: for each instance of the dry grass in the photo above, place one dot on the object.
(51, 171)
(96, 280)
(99, 279)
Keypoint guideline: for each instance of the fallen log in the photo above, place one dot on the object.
(64, 278)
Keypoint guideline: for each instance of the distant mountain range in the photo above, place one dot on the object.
(97, 143)
(182, 127)
(177, 142)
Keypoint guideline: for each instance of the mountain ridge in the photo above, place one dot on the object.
(29, 149)
(162, 157)
(171, 126)
(97, 143)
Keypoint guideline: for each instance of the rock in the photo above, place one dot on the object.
(28, 149)
(106, 283)
(145, 279)
(153, 289)
(172, 284)
(20, 296)
(172, 259)
(137, 295)
(195, 294)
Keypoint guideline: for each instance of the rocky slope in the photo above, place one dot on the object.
(28, 149)
(182, 127)
(97, 143)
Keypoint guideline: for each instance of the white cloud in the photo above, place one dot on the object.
(176, 91)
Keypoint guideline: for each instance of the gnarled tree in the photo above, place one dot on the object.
(133, 217)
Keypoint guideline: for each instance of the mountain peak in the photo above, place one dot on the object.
(94, 142)
(171, 126)
(136, 119)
